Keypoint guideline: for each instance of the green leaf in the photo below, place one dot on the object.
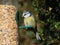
(57, 25)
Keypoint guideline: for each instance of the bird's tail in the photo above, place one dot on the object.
(37, 36)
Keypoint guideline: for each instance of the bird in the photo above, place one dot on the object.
(29, 20)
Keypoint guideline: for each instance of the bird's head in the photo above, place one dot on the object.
(26, 14)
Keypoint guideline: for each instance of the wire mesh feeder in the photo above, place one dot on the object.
(8, 26)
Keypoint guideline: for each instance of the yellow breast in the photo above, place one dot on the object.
(30, 20)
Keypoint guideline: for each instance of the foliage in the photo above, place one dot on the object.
(51, 26)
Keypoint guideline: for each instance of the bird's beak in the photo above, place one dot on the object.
(22, 16)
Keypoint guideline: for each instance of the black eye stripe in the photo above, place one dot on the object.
(26, 14)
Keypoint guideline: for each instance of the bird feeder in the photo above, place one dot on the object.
(8, 26)
(24, 27)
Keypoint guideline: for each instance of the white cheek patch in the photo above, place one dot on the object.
(27, 15)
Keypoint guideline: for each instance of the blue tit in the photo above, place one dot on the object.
(30, 21)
